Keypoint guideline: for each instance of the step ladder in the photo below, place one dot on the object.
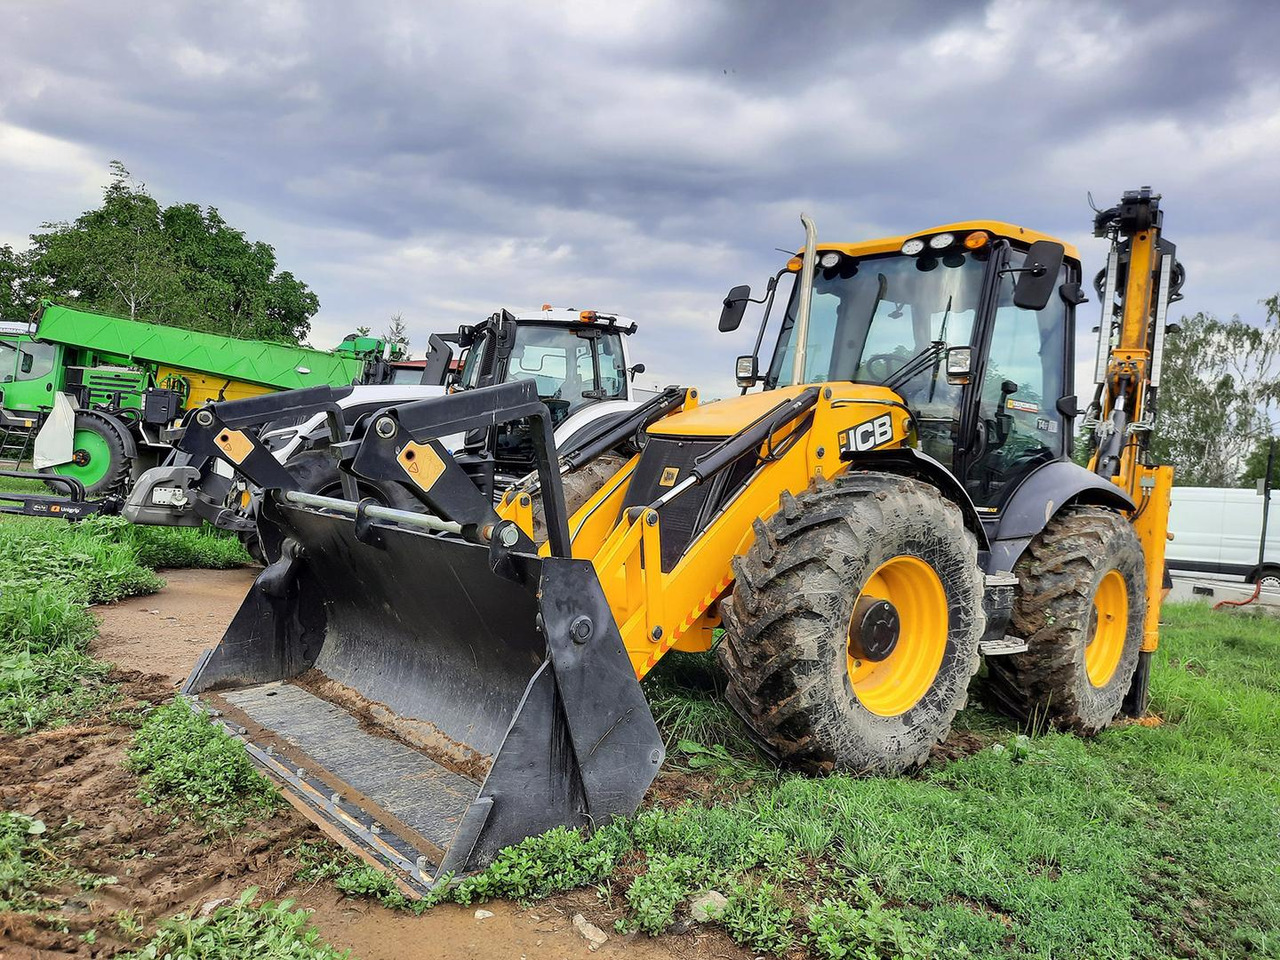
(17, 445)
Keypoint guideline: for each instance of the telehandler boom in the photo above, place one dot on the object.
(896, 502)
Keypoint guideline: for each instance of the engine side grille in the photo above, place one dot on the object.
(664, 463)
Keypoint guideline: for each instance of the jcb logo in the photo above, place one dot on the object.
(868, 435)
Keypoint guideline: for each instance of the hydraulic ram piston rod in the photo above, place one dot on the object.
(408, 518)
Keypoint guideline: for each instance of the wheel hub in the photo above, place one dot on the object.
(874, 629)
(81, 458)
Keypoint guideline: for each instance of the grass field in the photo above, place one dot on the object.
(1146, 841)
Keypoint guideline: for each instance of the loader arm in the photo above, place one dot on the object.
(186, 489)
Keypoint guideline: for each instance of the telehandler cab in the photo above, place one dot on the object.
(894, 503)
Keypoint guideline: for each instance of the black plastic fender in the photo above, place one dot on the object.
(1039, 498)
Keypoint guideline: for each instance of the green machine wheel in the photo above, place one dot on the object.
(98, 458)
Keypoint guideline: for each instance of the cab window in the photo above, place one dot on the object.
(35, 360)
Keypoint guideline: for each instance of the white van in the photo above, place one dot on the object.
(1216, 530)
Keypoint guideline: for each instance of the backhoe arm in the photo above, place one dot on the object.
(1141, 279)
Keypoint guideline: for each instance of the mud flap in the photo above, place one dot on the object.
(423, 708)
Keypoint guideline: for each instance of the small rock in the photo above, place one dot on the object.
(213, 905)
(707, 906)
(483, 914)
(595, 937)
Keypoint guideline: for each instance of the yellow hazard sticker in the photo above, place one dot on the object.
(668, 478)
(421, 463)
(234, 444)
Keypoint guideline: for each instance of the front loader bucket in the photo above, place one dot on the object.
(423, 709)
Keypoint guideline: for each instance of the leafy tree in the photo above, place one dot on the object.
(182, 264)
(397, 333)
(12, 270)
(1256, 464)
(363, 330)
(1218, 396)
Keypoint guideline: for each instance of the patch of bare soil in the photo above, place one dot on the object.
(165, 632)
(165, 867)
(958, 745)
(544, 931)
(76, 775)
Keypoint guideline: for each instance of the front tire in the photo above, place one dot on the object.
(317, 473)
(803, 649)
(1081, 605)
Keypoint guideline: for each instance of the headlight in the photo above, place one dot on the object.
(829, 259)
(913, 246)
(942, 241)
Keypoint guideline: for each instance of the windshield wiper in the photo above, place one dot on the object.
(927, 357)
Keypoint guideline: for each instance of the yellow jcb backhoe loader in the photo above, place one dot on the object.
(896, 502)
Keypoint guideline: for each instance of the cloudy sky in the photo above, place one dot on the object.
(444, 160)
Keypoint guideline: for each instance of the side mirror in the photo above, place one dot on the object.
(959, 364)
(735, 305)
(635, 371)
(746, 371)
(1038, 275)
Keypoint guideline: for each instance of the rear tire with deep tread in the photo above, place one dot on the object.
(1058, 578)
(785, 642)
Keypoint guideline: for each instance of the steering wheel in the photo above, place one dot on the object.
(881, 366)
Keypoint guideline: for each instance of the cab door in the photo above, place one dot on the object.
(1023, 372)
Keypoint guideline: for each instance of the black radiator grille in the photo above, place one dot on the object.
(667, 461)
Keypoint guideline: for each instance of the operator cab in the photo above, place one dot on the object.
(575, 357)
(970, 324)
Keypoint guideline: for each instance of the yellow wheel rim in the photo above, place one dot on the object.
(894, 685)
(1110, 626)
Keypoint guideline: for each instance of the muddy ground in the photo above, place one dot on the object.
(77, 775)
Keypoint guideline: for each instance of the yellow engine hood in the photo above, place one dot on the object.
(724, 418)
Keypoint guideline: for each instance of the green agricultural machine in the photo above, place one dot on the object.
(87, 398)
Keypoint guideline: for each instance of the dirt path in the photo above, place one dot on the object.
(77, 774)
(164, 633)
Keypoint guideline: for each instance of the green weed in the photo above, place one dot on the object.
(240, 930)
(1141, 842)
(188, 763)
(50, 572)
(655, 895)
(31, 867)
(758, 917)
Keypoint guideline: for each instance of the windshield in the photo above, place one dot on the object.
(8, 356)
(870, 316)
(409, 375)
(570, 370)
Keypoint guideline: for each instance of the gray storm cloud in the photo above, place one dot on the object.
(443, 161)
